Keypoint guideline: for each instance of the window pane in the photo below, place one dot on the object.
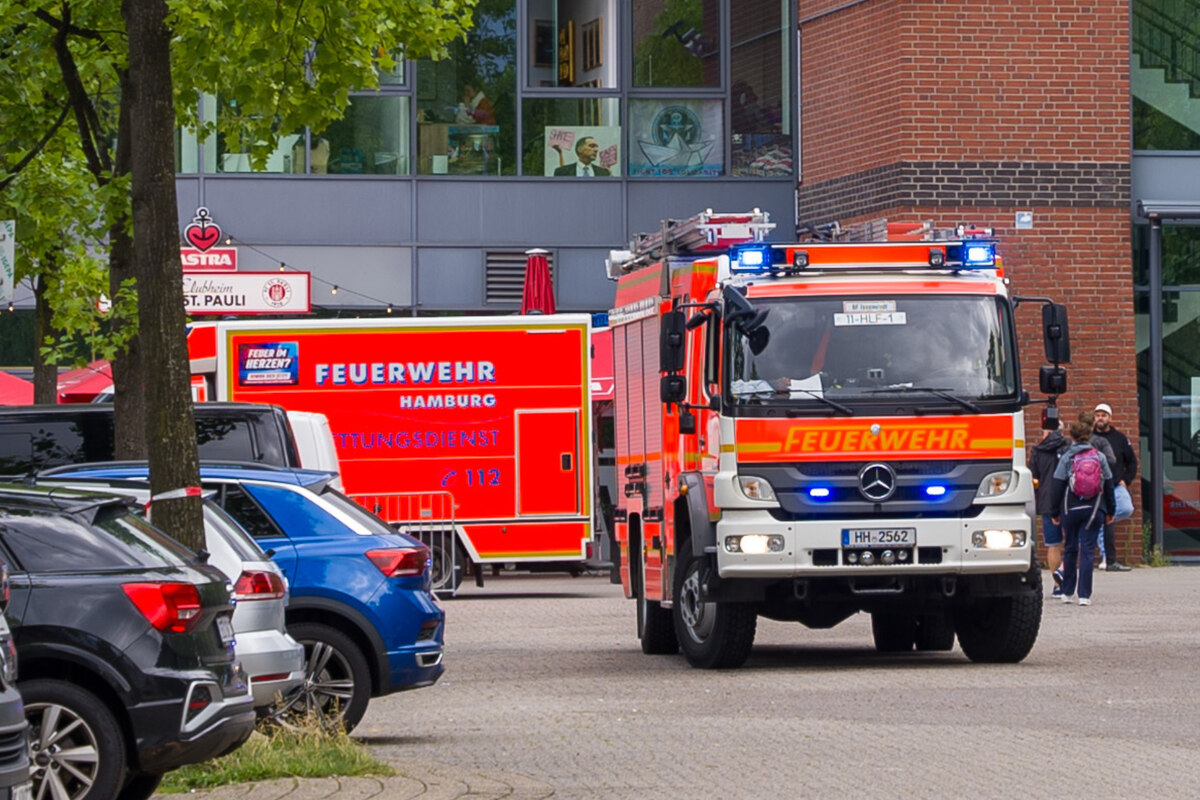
(572, 43)
(561, 134)
(676, 138)
(283, 158)
(371, 139)
(676, 43)
(760, 58)
(466, 106)
(393, 76)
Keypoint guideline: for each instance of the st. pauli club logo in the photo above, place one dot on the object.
(203, 232)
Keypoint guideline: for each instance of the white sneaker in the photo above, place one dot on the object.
(1085, 601)
(1103, 565)
(1066, 598)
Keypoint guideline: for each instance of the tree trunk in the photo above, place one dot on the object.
(129, 399)
(45, 376)
(170, 427)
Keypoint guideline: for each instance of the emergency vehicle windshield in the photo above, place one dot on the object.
(844, 351)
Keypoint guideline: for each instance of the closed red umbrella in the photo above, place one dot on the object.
(538, 297)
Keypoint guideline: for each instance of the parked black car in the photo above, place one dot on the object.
(33, 438)
(126, 645)
(14, 730)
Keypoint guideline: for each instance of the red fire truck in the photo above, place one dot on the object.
(473, 433)
(812, 430)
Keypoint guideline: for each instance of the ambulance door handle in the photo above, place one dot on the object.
(565, 459)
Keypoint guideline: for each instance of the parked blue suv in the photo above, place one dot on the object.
(360, 600)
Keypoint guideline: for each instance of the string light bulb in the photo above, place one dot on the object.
(10, 306)
(282, 266)
(389, 308)
(334, 290)
(228, 240)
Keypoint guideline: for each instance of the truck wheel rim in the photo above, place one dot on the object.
(66, 755)
(697, 615)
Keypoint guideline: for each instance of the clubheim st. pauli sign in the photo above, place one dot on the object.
(212, 283)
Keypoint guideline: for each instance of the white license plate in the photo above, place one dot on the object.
(879, 537)
(225, 628)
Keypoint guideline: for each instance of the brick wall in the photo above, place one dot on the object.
(909, 114)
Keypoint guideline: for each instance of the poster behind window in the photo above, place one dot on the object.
(561, 141)
(676, 138)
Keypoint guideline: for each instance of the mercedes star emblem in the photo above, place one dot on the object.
(876, 482)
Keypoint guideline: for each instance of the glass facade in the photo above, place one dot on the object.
(1165, 83)
(561, 88)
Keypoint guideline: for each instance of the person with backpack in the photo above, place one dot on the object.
(1082, 502)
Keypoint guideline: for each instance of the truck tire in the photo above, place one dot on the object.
(656, 628)
(1001, 630)
(448, 562)
(713, 635)
(935, 632)
(893, 632)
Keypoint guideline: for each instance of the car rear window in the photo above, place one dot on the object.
(356, 512)
(298, 513)
(233, 534)
(28, 445)
(115, 540)
(224, 439)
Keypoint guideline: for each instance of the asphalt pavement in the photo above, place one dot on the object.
(547, 694)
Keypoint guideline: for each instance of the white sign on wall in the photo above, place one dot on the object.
(8, 270)
(247, 292)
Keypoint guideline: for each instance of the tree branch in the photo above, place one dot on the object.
(37, 148)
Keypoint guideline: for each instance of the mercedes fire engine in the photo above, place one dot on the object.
(813, 430)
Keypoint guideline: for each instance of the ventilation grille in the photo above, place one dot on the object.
(506, 276)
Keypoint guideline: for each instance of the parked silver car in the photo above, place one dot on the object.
(272, 658)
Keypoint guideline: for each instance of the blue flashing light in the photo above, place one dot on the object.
(935, 491)
(819, 492)
(979, 255)
(750, 258)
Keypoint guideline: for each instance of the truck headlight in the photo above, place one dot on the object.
(998, 539)
(756, 488)
(996, 484)
(754, 543)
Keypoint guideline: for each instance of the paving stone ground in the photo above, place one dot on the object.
(547, 694)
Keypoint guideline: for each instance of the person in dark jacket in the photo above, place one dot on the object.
(1081, 518)
(1042, 463)
(1124, 474)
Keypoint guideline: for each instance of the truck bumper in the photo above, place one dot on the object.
(814, 548)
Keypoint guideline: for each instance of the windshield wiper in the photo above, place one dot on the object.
(788, 393)
(942, 393)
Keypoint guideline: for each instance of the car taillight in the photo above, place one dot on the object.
(169, 607)
(400, 562)
(259, 585)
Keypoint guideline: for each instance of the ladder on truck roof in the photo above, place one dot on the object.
(705, 232)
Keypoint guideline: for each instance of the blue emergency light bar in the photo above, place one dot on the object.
(758, 258)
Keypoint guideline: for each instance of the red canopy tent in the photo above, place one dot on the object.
(14, 391)
(83, 384)
(538, 297)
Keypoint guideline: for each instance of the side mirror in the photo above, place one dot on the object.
(671, 342)
(1055, 334)
(1052, 380)
(672, 389)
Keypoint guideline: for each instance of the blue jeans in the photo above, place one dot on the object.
(1080, 549)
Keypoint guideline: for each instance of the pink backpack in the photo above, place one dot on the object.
(1087, 474)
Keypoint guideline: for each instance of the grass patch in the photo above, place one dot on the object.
(1152, 556)
(312, 753)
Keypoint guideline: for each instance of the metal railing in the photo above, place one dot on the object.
(428, 516)
(1163, 39)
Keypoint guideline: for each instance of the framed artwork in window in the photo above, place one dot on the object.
(591, 41)
(566, 54)
(543, 43)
